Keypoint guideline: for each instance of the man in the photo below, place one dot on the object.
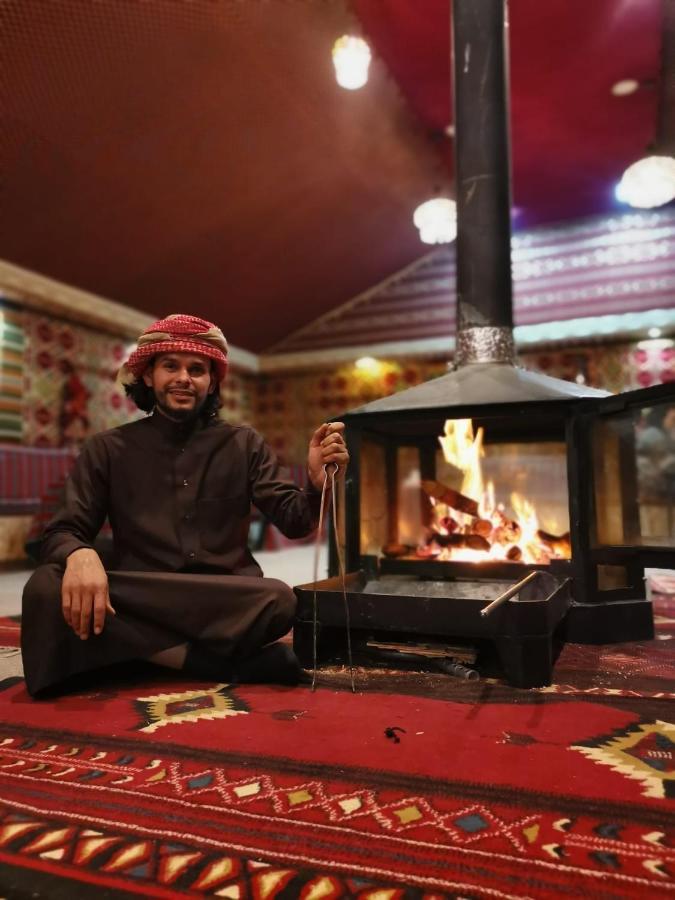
(182, 590)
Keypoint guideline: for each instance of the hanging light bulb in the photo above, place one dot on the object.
(368, 365)
(648, 182)
(351, 58)
(437, 221)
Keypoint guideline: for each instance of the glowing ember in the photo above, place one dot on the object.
(471, 524)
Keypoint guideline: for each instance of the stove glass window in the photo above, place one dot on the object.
(634, 477)
(522, 504)
(462, 497)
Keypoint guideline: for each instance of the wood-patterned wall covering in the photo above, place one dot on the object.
(288, 407)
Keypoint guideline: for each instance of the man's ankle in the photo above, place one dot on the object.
(273, 664)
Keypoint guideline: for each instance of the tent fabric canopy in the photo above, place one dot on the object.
(200, 156)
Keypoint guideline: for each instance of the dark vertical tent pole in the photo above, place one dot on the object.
(482, 163)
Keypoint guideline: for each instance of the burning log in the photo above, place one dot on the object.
(507, 535)
(483, 527)
(540, 555)
(450, 497)
(449, 524)
(558, 543)
(507, 531)
(471, 541)
(394, 551)
(428, 552)
(514, 553)
(476, 542)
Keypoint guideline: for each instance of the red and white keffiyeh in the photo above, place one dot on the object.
(177, 334)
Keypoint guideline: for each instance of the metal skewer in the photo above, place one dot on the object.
(502, 598)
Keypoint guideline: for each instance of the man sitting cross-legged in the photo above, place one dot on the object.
(183, 589)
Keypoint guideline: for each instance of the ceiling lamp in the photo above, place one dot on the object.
(351, 58)
(437, 221)
(647, 183)
(368, 365)
(625, 88)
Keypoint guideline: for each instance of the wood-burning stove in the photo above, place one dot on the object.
(594, 473)
(602, 493)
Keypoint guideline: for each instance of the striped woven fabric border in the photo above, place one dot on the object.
(601, 266)
(27, 473)
(12, 343)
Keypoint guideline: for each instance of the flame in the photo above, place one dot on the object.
(512, 537)
(526, 516)
(464, 451)
(487, 504)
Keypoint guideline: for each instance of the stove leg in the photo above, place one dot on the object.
(526, 661)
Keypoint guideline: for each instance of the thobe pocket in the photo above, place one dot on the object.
(223, 522)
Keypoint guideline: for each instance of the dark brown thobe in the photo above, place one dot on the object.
(178, 498)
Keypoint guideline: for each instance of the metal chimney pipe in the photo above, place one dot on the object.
(483, 182)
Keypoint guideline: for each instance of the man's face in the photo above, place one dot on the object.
(181, 382)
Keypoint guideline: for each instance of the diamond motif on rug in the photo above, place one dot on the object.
(352, 805)
(408, 813)
(188, 706)
(472, 823)
(644, 752)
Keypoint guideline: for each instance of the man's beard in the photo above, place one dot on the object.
(180, 415)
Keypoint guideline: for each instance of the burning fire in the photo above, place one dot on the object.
(471, 524)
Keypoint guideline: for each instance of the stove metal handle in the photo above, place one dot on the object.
(511, 592)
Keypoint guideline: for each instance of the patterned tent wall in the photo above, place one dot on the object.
(58, 352)
(285, 408)
(288, 407)
(237, 396)
(39, 352)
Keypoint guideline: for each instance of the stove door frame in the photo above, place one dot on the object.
(552, 418)
(614, 613)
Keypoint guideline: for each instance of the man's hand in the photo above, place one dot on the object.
(84, 593)
(326, 446)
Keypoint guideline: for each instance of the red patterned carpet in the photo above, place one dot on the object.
(173, 789)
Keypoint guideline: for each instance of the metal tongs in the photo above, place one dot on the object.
(341, 567)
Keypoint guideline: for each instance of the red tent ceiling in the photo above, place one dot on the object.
(199, 156)
(571, 138)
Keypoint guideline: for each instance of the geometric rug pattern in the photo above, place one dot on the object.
(188, 706)
(237, 830)
(177, 788)
(644, 752)
(114, 859)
